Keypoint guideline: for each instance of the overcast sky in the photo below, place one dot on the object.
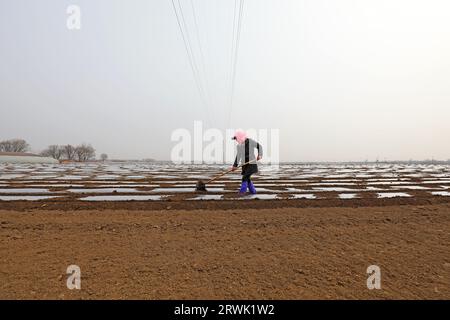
(342, 80)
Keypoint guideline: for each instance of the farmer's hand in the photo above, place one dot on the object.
(258, 158)
(233, 168)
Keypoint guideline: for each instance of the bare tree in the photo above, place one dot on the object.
(89, 153)
(20, 145)
(79, 152)
(68, 152)
(4, 146)
(104, 157)
(54, 151)
(85, 152)
(14, 145)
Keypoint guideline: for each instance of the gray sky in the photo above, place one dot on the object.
(342, 80)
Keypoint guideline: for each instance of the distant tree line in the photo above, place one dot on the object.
(14, 145)
(83, 152)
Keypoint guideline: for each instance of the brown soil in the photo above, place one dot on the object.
(275, 253)
(330, 200)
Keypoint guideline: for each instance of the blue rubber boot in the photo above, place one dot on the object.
(243, 189)
(251, 188)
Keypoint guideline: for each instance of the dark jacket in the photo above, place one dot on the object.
(246, 153)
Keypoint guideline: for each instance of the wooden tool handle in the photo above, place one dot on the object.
(228, 171)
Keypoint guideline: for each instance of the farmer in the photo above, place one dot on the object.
(246, 153)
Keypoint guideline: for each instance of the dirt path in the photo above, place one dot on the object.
(283, 253)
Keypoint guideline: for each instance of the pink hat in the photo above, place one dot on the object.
(240, 136)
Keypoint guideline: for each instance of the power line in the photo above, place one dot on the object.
(230, 75)
(196, 69)
(202, 57)
(187, 44)
(234, 58)
(199, 69)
